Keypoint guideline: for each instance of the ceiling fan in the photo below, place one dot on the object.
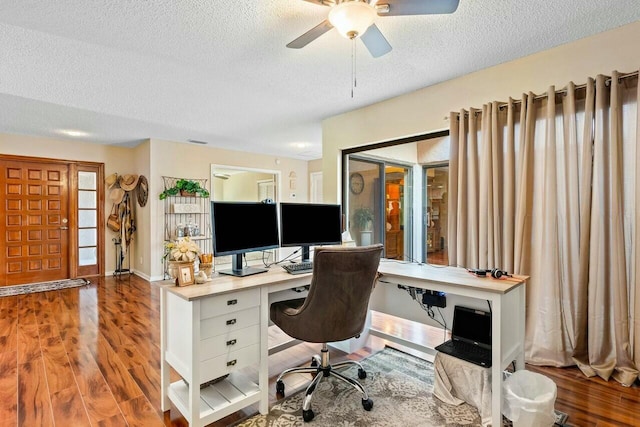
(355, 19)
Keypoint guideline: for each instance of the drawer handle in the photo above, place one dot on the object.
(232, 362)
(231, 322)
(232, 342)
(232, 302)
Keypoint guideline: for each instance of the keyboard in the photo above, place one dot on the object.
(298, 267)
(467, 351)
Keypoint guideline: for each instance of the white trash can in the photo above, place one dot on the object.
(529, 399)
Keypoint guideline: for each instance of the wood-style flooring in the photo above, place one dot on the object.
(90, 356)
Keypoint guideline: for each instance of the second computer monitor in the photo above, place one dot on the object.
(310, 224)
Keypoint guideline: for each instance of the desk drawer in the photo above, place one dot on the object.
(234, 340)
(227, 303)
(222, 325)
(227, 363)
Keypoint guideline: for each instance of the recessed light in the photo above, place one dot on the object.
(73, 132)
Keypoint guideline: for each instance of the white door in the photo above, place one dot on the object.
(315, 178)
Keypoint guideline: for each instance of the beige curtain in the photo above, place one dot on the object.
(549, 186)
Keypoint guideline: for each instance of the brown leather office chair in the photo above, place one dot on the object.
(334, 310)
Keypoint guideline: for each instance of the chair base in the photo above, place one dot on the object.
(321, 367)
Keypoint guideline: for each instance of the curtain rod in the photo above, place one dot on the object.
(562, 91)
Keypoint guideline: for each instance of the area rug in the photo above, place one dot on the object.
(6, 291)
(400, 385)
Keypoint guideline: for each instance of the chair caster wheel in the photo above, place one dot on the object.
(280, 389)
(362, 374)
(307, 415)
(367, 404)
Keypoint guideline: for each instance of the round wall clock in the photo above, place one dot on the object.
(356, 183)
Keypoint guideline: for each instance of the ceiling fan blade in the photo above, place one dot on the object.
(311, 35)
(375, 42)
(322, 2)
(416, 7)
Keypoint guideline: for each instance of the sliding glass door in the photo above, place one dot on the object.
(378, 200)
(436, 179)
(365, 201)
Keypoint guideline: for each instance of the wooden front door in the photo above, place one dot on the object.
(34, 225)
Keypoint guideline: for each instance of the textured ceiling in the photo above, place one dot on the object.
(218, 70)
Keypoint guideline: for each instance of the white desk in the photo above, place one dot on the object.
(507, 298)
(214, 329)
(209, 330)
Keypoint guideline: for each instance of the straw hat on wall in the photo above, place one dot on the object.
(116, 195)
(111, 180)
(128, 182)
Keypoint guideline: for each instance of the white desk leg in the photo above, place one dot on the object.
(263, 372)
(164, 366)
(194, 377)
(522, 296)
(496, 362)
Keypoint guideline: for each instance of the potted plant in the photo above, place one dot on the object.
(363, 221)
(363, 218)
(186, 187)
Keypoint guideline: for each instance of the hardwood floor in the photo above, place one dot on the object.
(90, 357)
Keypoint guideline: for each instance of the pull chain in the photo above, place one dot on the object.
(353, 65)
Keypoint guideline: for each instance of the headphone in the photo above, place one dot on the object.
(496, 273)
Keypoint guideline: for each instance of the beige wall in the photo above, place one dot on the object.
(194, 161)
(140, 259)
(433, 150)
(152, 158)
(315, 165)
(425, 110)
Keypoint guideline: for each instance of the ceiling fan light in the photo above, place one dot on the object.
(352, 18)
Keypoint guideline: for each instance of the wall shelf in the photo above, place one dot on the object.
(193, 211)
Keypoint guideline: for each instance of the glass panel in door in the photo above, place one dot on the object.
(365, 207)
(398, 208)
(435, 218)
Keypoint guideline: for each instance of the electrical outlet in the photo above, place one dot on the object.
(141, 260)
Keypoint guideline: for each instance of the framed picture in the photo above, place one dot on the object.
(185, 275)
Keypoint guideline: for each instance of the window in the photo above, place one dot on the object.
(87, 219)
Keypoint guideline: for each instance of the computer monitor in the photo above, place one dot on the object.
(308, 224)
(240, 227)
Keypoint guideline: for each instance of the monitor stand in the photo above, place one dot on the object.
(239, 270)
(305, 254)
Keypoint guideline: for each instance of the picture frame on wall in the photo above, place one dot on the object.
(185, 275)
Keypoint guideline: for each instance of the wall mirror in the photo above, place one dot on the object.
(241, 184)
